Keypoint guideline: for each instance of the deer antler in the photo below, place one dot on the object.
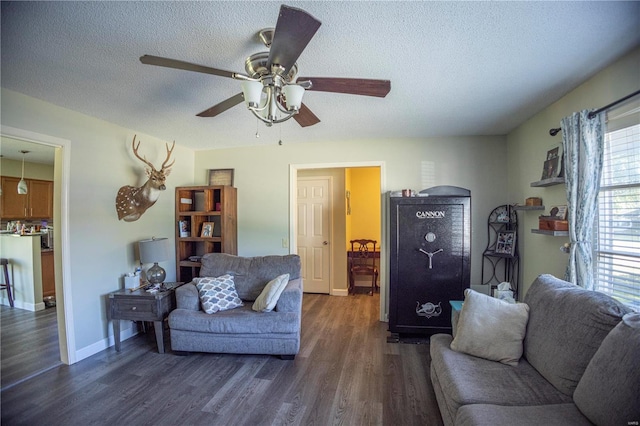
(169, 151)
(148, 163)
(135, 151)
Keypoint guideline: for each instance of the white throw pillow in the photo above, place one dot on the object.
(217, 294)
(491, 328)
(270, 294)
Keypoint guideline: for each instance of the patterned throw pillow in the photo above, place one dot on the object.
(217, 294)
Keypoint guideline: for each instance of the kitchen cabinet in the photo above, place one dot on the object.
(48, 274)
(37, 203)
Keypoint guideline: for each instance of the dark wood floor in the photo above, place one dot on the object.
(29, 343)
(346, 373)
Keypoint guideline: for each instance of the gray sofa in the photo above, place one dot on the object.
(580, 366)
(241, 330)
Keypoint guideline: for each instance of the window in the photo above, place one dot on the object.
(617, 249)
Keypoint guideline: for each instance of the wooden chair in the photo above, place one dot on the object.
(7, 285)
(362, 261)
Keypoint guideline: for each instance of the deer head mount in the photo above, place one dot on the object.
(131, 201)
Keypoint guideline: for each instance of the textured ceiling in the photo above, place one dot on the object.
(456, 68)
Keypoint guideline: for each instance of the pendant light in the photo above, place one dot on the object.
(22, 185)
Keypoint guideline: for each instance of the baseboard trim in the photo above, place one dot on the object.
(105, 343)
(33, 307)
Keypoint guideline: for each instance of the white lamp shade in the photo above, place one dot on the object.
(22, 187)
(154, 250)
(293, 95)
(252, 91)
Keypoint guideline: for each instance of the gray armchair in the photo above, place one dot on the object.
(241, 330)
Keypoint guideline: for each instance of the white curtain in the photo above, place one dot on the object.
(582, 141)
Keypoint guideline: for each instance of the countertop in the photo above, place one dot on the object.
(13, 234)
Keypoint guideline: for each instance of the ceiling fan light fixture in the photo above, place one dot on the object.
(252, 91)
(271, 101)
(293, 96)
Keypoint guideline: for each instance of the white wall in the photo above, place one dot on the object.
(101, 247)
(528, 145)
(31, 170)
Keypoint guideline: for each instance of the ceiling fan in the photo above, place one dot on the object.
(270, 88)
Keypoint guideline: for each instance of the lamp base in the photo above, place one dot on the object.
(156, 274)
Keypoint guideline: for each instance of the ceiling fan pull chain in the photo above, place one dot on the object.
(257, 128)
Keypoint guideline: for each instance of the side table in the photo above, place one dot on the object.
(140, 305)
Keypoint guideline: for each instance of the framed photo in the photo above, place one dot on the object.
(553, 165)
(553, 153)
(183, 226)
(558, 212)
(221, 177)
(551, 168)
(207, 230)
(506, 242)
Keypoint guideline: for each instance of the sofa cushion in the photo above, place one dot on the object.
(465, 379)
(241, 321)
(491, 328)
(271, 293)
(566, 326)
(497, 415)
(609, 391)
(251, 273)
(217, 294)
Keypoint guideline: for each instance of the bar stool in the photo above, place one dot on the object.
(7, 284)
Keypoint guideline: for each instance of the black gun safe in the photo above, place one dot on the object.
(430, 249)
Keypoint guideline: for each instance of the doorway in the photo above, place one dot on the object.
(338, 241)
(64, 317)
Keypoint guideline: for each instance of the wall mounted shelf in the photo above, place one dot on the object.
(552, 233)
(528, 208)
(548, 182)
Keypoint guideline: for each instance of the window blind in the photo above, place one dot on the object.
(618, 225)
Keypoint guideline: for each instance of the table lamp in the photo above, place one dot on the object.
(153, 251)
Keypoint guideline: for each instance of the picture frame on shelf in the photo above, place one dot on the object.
(553, 153)
(221, 177)
(506, 243)
(183, 227)
(550, 169)
(558, 212)
(553, 165)
(207, 230)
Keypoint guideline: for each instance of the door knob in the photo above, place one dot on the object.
(325, 243)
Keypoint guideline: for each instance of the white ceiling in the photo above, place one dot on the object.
(38, 153)
(456, 68)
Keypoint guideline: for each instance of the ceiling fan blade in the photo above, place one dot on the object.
(182, 65)
(305, 117)
(222, 106)
(353, 86)
(294, 29)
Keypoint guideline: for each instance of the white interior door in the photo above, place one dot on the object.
(314, 225)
